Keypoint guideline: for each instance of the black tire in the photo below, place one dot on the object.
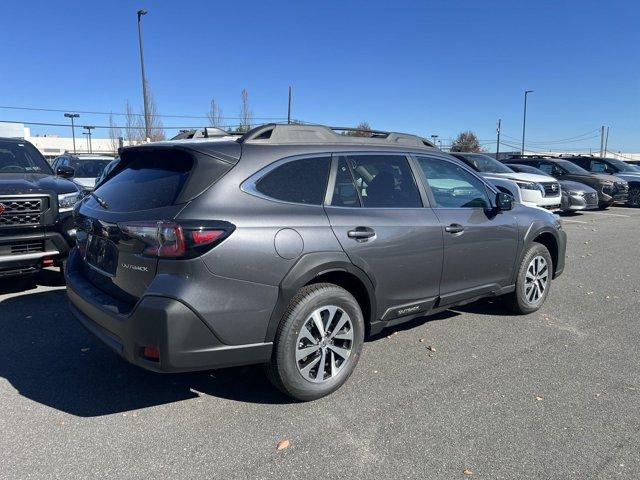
(283, 371)
(604, 206)
(517, 300)
(634, 197)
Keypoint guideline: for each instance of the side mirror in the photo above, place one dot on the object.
(65, 172)
(504, 201)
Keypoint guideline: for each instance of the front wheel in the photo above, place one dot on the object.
(318, 342)
(634, 197)
(533, 282)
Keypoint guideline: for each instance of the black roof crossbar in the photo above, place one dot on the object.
(302, 133)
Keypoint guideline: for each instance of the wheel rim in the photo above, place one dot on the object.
(634, 197)
(324, 344)
(536, 280)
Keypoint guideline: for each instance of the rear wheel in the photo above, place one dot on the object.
(533, 282)
(318, 342)
(634, 197)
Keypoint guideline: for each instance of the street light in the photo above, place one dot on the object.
(88, 135)
(433, 138)
(89, 128)
(73, 129)
(144, 79)
(524, 119)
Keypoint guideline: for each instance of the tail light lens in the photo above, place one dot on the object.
(177, 240)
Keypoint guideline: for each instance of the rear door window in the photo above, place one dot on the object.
(297, 181)
(381, 181)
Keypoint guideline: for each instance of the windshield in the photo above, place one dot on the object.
(622, 166)
(486, 164)
(572, 167)
(19, 157)
(88, 168)
(527, 169)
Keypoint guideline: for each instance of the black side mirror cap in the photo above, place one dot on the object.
(65, 172)
(504, 201)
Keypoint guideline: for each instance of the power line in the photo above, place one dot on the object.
(89, 112)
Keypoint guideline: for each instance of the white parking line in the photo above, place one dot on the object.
(610, 214)
(574, 221)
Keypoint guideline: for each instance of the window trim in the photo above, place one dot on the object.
(249, 185)
(424, 199)
(457, 163)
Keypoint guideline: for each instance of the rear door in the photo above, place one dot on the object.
(377, 214)
(480, 244)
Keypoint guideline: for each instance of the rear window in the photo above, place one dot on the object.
(297, 181)
(149, 180)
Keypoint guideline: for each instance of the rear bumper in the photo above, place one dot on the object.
(183, 339)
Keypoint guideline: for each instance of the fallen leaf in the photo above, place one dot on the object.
(282, 445)
(467, 471)
(421, 340)
(431, 348)
(539, 398)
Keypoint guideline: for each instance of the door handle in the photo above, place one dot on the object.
(454, 228)
(361, 233)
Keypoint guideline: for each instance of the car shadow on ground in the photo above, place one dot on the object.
(49, 358)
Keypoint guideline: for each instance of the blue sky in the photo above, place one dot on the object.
(435, 67)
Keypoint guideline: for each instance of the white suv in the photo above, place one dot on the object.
(539, 190)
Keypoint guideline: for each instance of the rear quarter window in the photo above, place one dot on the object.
(297, 181)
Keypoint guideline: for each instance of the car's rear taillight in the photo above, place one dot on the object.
(169, 239)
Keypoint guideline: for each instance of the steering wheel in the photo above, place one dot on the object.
(13, 169)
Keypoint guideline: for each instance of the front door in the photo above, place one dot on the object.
(480, 243)
(377, 215)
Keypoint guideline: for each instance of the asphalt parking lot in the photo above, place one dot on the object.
(555, 394)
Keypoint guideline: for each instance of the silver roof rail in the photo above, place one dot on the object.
(276, 133)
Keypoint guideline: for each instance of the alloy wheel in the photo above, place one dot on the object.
(536, 279)
(634, 197)
(324, 344)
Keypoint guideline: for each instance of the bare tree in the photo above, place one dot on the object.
(363, 129)
(246, 116)
(215, 114)
(154, 122)
(134, 132)
(466, 142)
(114, 134)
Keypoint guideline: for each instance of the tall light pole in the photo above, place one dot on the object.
(73, 128)
(88, 135)
(524, 119)
(433, 138)
(289, 107)
(88, 128)
(498, 140)
(144, 78)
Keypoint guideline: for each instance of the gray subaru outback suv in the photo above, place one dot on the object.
(290, 244)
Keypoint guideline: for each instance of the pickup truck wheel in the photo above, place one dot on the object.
(533, 282)
(318, 342)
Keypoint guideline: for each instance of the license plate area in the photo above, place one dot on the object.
(102, 254)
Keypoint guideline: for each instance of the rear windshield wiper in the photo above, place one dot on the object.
(101, 201)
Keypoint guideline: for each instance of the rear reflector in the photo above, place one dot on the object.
(206, 236)
(151, 353)
(47, 262)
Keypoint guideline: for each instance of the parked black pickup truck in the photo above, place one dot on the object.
(36, 210)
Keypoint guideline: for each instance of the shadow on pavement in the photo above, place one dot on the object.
(49, 358)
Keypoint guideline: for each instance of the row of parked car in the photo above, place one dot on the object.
(282, 246)
(565, 183)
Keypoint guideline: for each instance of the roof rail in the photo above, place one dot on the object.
(304, 133)
(206, 132)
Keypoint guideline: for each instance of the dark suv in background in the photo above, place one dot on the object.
(36, 222)
(612, 166)
(611, 189)
(287, 245)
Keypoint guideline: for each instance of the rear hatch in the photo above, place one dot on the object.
(127, 224)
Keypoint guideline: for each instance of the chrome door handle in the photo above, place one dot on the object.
(454, 228)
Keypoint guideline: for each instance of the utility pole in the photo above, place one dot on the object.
(147, 134)
(73, 128)
(498, 142)
(606, 142)
(289, 107)
(524, 119)
(601, 140)
(89, 128)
